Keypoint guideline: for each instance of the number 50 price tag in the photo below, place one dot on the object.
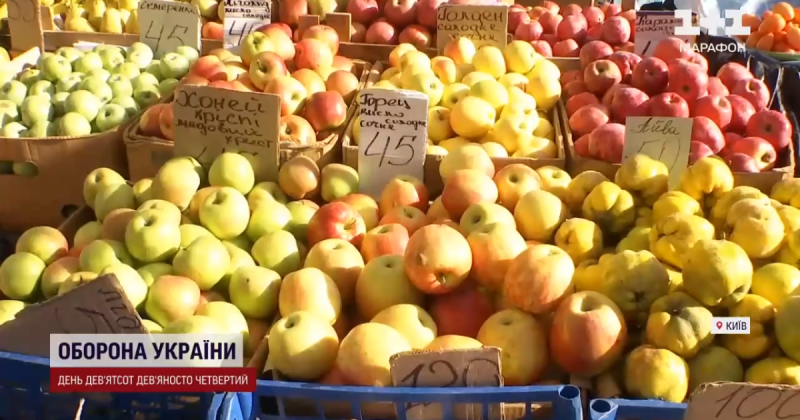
(394, 131)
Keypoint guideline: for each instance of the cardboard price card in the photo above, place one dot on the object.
(166, 25)
(665, 139)
(211, 121)
(653, 26)
(394, 132)
(25, 25)
(243, 17)
(735, 401)
(448, 369)
(484, 25)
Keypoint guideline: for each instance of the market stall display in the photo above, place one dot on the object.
(777, 30)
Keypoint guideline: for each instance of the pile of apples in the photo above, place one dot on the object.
(730, 113)
(778, 30)
(498, 98)
(315, 85)
(76, 93)
(557, 31)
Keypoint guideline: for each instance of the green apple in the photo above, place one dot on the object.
(83, 102)
(88, 62)
(14, 91)
(191, 232)
(151, 327)
(69, 82)
(151, 272)
(140, 54)
(111, 197)
(142, 191)
(29, 76)
(42, 87)
(191, 53)
(167, 86)
(305, 346)
(172, 211)
(41, 129)
(57, 273)
(14, 130)
(172, 298)
(99, 72)
(227, 316)
(72, 54)
(239, 258)
(225, 213)
(146, 95)
(111, 57)
(8, 112)
(20, 275)
(132, 283)
(174, 66)
(254, 290)
(97, 179)
(98, 87)
(301, 215)
(205, 261)
(269, 216)
(42, 57)
(144, 79)
(154, 68)
(278, 251)
(73, 124)
(89, 232)
(129, 104)
(338, 180)
(242, 242)
(233, 170)
(265, 191)
(59, 101)
(9, 309)
(55, 67)
(74, 280)
(126, 69)
(7, 75)
(152, 236)
(194, 324)
(99, 254)
(109, 117)
(36, 108)
(120, 85)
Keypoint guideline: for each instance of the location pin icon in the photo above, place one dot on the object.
(719, 325)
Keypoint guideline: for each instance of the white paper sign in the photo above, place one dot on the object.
(668, 140)
(394, 131)
(166, 25)
(653, 26)
(243, 17)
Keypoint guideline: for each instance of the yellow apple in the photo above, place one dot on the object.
(398, 52)
(546, 92)
(513, 181)
(385, 84)
(494, 149)
(519, 101)
(512, 131)
(492, 92)
(303, 346)
(365, 352)
(538, 214)
(474, 77)
(445, 69)
(435, 150)
(439, 124)
(472, 117)
(544, 69)
(393, 71)
(453, 94)
(523, 341)
(489, 59)
(513, 79)
(415, 58)
(453, 143)
(411, 321)
(554, 180)
(537, 148)
(460, 50)
(520, 56)
(545, 129)
(341, 261)
(428, 84)
(410, 71)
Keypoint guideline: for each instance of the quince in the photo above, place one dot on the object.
(717, 272)
(580, 187)
(719, 213)
(588, 276)
(638, 239)
(790, 216)
(643, 176)
(582, 239)
(707, 180)
(755, 225)
(672, 237)
(611, 207)
(786, 330)
(774, 371)
(644, 217)
(675, 279)
(680, 324)
(714, 364)
(656, 374)
(675, 202)
(762, 314)
(633, 280)
(785, 190)
(775, 282)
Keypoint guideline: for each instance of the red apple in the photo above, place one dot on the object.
(627, 62)
(624, 101)
(388, 239)
(416, 35)
(400, 13)
(516, 17)
(651, 76)
(542, 47)
(740, 162)
(698, 151)
(772, 126)
(336, 220)
(600, 75)
(669, 49)
(325, 110)
(716, 87)
(716, 108)
(381, 32)
(705, 131)
(606, 142)
(688, 80)
(731, 73)
(754, 90)
(363, 11)
(667, 104)
(427, 11)
(759, 149)
(528, 31)
(742, 111)
(461, 312)
(593, 51)
(403, 190)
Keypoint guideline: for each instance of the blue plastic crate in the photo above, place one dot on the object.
(620, 409)
(565, 399)
(24, 385)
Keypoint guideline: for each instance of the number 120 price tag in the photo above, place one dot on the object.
(394, 131)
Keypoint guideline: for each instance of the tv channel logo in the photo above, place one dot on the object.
(712, 24)
(730, 325)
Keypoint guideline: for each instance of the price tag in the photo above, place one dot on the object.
(735, 401)
(210, 121)
(166, 25)
(25, 25)
(653, 26)
(393, 136)
(484, 25)
(665, 139)
(448, 369)
(243, 17)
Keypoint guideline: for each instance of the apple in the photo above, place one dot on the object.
(75, 280)
(369, 368)
(310, 289)
(400, 13)
(132, 283)
(698, 151)
(523, 342)
(195, 324)
(14, 91)
(363, 11)
(174, 66)
(325, 34)
(46, 243)
(266, 66)
(293, 94)
(740, 162)
(772, 126)
(759, 149)
(268, 216)
(303, 346)
(254, 290)
(462, 311)
(297, 130)
(403, 190)
(232, 170)
(365, 206)
(171, 298)
(411, 321)
(151, 272)
(279, 251)
(152, 236)
(110, 116)
(706, 131)
(325, 111)
(340, 260)
(336, 220)
(57, 273)
(299, 178)
(651, 76)
(72, 124)
(389, 239)
(87, 62)
(310, 79)
(438, 258)
(311, 53)
(37, 108)
(127, 70)
(687, 79)
(205, 261)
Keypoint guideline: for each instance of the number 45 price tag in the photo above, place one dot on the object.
(394, 131)
(166, 25)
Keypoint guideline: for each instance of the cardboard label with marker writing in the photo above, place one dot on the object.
(653, 26)
(97, 307)
(484, 25)
(393, 137)
(665, 139)
(448, 369)
(735, 401)
(166, 25)
(25, 25)
(242, 17)
(210, 121)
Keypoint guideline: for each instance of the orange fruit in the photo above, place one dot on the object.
(793, 37)
(780, 36)
(766, 42)
(752, 40)
(781, 47)
(751, 21)
(772, 23)
(784, 9)
(797, 15)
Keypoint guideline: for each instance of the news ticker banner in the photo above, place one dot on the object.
(144, 379)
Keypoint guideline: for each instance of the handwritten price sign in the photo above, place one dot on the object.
(484, 25)
(25, 25)
(243, 17)
(166, 25)
(735, 401)
(665, 139)
(394, 131)
(652, 27)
